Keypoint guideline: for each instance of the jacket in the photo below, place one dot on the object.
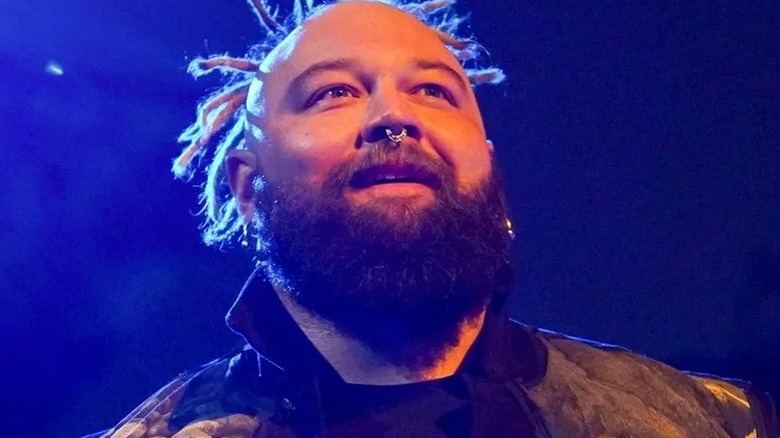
(517, 381)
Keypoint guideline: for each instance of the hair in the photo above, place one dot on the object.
(221, 116)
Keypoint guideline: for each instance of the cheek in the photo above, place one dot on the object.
(464, 146)
(305, 153)
(473, 166)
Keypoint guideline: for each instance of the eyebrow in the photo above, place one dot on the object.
(338, 64)
(427, 64)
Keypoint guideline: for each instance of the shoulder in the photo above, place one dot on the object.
(735, 396)
(209, 399)
(610, 375)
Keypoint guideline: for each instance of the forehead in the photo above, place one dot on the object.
(363, 30)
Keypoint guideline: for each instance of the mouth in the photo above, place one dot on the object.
(394, 174)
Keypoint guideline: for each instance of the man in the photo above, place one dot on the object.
(359, 170)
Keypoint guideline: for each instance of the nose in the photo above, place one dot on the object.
(388, 109)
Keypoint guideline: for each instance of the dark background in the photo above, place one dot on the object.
(640, 142)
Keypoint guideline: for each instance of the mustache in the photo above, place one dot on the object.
(380, 154)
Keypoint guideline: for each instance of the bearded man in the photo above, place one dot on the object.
(361, 177)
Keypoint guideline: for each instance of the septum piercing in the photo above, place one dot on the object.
(396, 138)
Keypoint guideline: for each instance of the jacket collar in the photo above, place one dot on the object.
(503, 350)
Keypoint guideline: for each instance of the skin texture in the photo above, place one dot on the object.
(385, 70)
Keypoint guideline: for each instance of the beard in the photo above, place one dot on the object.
(399, 277)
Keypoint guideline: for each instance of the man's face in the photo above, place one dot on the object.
(334, 86)
(355, 245)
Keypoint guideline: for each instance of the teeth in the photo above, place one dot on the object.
(392, 177)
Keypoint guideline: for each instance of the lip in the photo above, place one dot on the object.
(394, 173)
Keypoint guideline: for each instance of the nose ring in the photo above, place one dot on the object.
(396, 138)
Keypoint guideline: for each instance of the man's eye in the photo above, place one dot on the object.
(435, 91)
(336, 92)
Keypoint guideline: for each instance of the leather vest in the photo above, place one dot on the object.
(588, 390)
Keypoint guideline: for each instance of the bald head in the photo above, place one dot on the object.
(343, 20)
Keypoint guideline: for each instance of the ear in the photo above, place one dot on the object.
(242, 168)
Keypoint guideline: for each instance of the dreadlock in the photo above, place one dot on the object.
(221, 116)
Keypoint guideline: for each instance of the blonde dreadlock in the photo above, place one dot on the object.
(225, 110)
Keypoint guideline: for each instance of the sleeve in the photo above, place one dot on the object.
(96, 434)
(151, 417)
(746, 412)
(763, 410)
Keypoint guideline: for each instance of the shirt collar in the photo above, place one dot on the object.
(503, 350)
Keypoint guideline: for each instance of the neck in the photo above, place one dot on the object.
(359, 363)
(453, 355)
